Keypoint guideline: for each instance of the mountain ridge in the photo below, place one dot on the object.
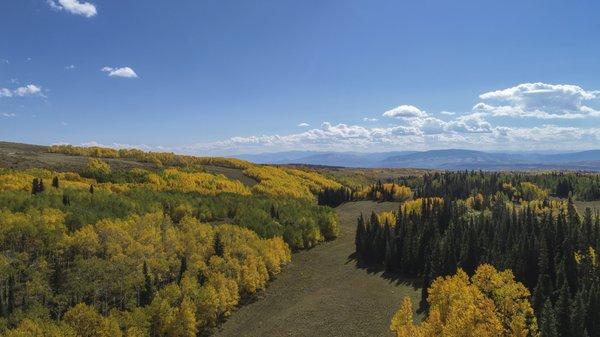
(450, 159)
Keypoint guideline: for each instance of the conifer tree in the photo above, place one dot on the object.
(548, 321)
(182, 269)
(148, 290)
(218, 246)
(562, 309)
(578, 313)
(55, 183)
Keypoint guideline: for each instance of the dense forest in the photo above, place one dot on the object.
(168, 250)
(519, 223)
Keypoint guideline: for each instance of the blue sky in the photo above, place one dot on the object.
(223, 77)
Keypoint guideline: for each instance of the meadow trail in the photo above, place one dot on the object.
(322, 292)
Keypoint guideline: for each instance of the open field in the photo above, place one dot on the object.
(582, 205)
(323, 292)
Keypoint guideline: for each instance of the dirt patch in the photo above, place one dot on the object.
(324, 292)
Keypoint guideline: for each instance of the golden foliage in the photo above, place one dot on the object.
(288, 182)
(490, 304)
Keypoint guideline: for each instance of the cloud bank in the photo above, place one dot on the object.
(414, 129)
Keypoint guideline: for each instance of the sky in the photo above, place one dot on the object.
(221, 77)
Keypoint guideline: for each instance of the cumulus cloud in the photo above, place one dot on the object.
(70, 67)
(448, 113)
(367, 119)
(76, 7)
(120, 72)
(28, 90)
(539, 100)
(405, 111)
(473, 123)
(5, 92)
(303, 125)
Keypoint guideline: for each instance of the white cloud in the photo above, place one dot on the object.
(8, 114)
(120, 72)
(539, 100)
(473, 123)
(70, 67)
(86, 9)
(405, 111)
(367, 119)
(5, 92)
(28, 90)
(303, 125)
(448, 113)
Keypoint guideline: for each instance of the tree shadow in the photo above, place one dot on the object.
(378, 269)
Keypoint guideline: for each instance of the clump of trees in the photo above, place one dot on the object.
(490, 303)
(385, 192)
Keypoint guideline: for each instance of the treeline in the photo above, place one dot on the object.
(379, 191)
(548, 246)
(273, 181)
(462, 184)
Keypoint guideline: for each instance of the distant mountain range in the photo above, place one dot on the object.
(451, 159)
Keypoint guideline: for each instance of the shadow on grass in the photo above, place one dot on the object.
(393, 277)
(379, 269)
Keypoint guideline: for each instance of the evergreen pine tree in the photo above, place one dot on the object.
(148, 290)
(548, 326)
(218, 246)
(55, 183)
(562, 308)
(182, 268)
(34, 186)
(578, 315)
(92, 189)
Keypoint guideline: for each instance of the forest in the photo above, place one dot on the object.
(135, 243)
(166, 250)
(499, 254)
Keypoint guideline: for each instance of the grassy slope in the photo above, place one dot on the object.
(323, 292)
(25, 156)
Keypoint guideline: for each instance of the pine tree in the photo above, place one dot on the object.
(218, 246)
(578, 315)
(148, 290)
(182, 268)
(548, 321)
(66, 200)
(562, 309)
(92, 189)
(34, 186)
(41, 187)
(55, 183)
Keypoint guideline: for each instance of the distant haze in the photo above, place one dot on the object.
(451, 159)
